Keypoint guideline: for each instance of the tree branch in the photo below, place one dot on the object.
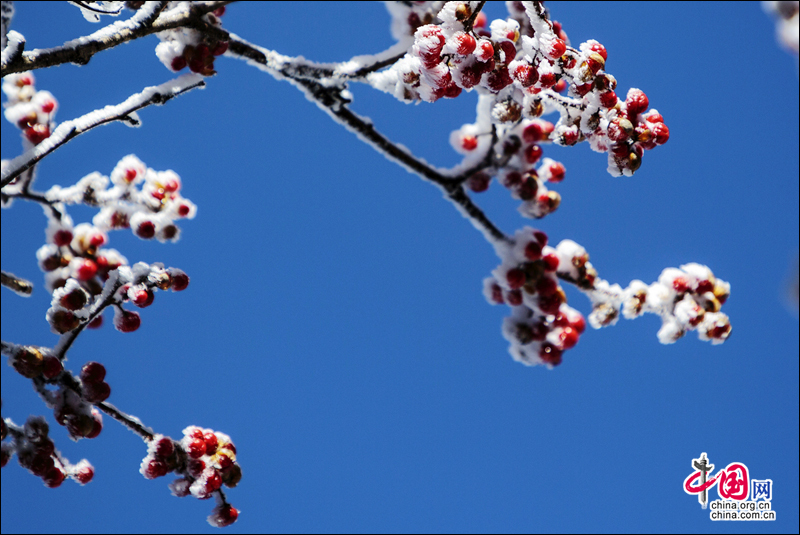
(124, 111)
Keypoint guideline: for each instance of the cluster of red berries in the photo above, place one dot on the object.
(184, 47)
(138, 287)
(32, 362)
(205, 459)
(72, 411)
(686, 299)
(522, 152)
(36, 452)
(30, 110)
(520, 64)
(95, 389)
(542, 326)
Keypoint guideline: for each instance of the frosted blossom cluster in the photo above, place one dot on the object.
(37, 453)
(205, 460)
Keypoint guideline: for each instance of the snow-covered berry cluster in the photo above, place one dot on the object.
(140, 198)
(205, 460)
(519, 66)
(541, 326)
(185, 47)
(686, 299)
(36, 452)
(30, 110)
(524, 171)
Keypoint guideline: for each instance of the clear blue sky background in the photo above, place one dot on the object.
(335, 327)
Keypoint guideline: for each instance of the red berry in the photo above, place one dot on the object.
(608, 99)
(515, 278)
(93, 372)
(127, 321)
(509, 51)
(37, 133)
(583, 89)
(560, 86)
(97, 425)
(96, 392)
(86, 270)
(221, 48)
(180, 280)
(636, 102)
(51, 367)
(178, 63)
(84, 474)
(146, 230)
(224, 516)
(558, 49)
(595, 62)
(196, 448)
(546, 286)
(54, 477)
(484, 50)
(533, 251)
(64, 321)
(661, 133)
(155, 468)
(526, 75)
(680, 284)
(498, 79)
(479, 182)
(548, 80)
(452, 91)
(214, 481)
(74, 300)
(570, 136)
(550, 262)
(600, 49)
(195, 467)
(704, 286)
(165, 448)
(96, 323)
(569, 337)
(211, 442)
(533, 153)
(480, 20)
(469, 142)
(557, 172)
(465, 43)
(143, 298)
(497, 294)
(62, 237)
(219, 11)
(550, 354)
(514, 298)
(579, 324)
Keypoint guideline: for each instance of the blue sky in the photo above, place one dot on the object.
(335, 327)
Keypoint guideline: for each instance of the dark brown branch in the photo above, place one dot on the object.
(80, 54)
(17, 284)
(67, 131)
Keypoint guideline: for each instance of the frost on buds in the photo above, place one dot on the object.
(186, 47)
(30, 110)
(541, 326)
(687, 299)
(519, 67)
(36, 452)
(205, 460)
(142, 199)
